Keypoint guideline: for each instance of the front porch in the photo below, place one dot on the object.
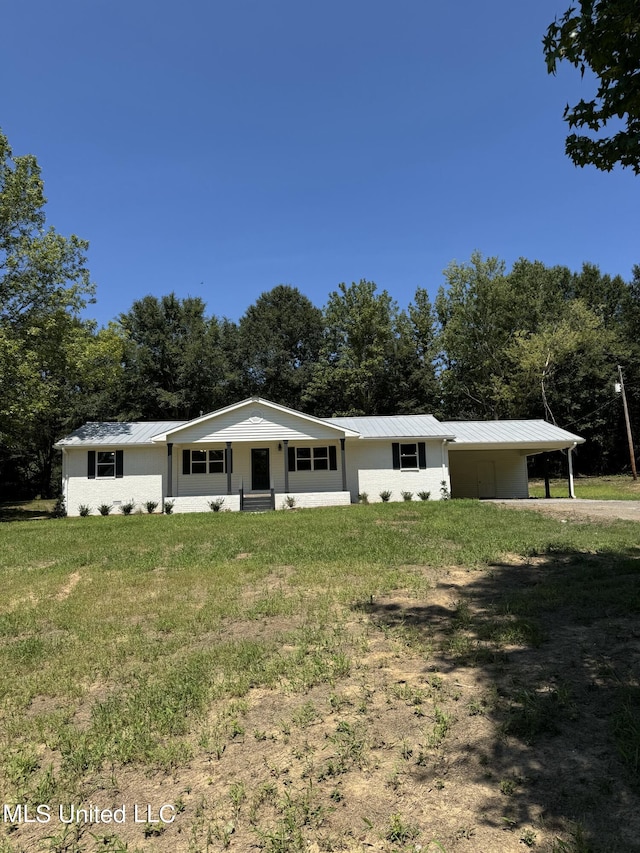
(302, 500)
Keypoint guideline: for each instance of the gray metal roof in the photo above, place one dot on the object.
(396, 426)
(522, 432)
(116, 432)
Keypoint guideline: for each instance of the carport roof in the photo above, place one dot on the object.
(518, 433)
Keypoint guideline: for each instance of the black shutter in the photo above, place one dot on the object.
(186, 461)
(91, 464)
(422, 455)
(119, 463)
(395, 447)
(333, 461)
(292, 459)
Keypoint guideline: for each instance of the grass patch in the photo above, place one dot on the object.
(296, 678)
(612, 488)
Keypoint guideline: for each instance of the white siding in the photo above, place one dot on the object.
(200, 503)
(256, 424)
(370, 469)
(144, 472)
(511, 480)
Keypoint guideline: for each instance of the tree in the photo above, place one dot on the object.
(173, 359)
(44, 282)
(356, 372)
(280, 338)
(604, 36)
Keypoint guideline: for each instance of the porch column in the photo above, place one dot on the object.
(169, 469)
(343, 462)
(285, 444)
(572, 493)
(227, 465)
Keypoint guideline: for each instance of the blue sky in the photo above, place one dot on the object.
(217, 149)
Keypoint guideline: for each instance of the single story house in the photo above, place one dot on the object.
(254, 454)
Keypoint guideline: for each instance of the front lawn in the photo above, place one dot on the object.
(429, 676)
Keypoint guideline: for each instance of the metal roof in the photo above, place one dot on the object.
(116, 432)
(396, 426)
(522, 432)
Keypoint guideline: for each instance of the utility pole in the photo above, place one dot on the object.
(620, 388)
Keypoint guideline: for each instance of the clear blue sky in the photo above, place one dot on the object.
(217, 149)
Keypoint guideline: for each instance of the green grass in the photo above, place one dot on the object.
(133, 642)
(614, 487)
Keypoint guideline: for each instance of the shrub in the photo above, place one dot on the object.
(290, 501)
(84, 510)
(127, 509)
(151, 506)
(59, 509)
(445, 494)
(216, 504)
(168, 507)
(385, 496)
(363, 498)
(424, 496)
(105, 509)
(406, 496)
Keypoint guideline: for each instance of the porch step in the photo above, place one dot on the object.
(257, 502)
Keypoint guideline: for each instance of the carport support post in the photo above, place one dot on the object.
(572, 493)
(545, 471)
(169, 469)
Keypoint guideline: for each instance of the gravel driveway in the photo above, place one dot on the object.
(579, 508)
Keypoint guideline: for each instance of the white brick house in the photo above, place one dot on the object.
(253, 454)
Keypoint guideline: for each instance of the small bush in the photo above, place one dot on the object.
(363, 498)
(290, 501)
(424, 496)
(385, 496)
(105, 509)
(216, 505)
(168, 507)
(407, 496)
(59, 509)
(84, 510)
(151, 506)
(445, 494)
(127, 509)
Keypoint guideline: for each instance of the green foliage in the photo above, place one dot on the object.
(84, 510)
(280, 336)
(151, 506)
(127, 508)
(216, 504)
(603, 36)
(385, 496)
(105, 509)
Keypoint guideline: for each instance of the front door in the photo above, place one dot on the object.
(260, 480)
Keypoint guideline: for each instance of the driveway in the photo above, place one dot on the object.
(578, 508)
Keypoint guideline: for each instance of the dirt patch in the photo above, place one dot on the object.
(67, 589)
(579, 509)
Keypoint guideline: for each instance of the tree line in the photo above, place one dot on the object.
(531, 341)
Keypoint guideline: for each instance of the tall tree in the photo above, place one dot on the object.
(44, 282)
(174, 363)
(279, 338)
(603, 36)
(355, 372)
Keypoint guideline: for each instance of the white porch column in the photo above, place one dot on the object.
(227, 465)
(285, 444)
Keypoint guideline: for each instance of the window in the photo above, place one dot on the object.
(203, 462)
(105, 464)
(409, 457)
(313, 459)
